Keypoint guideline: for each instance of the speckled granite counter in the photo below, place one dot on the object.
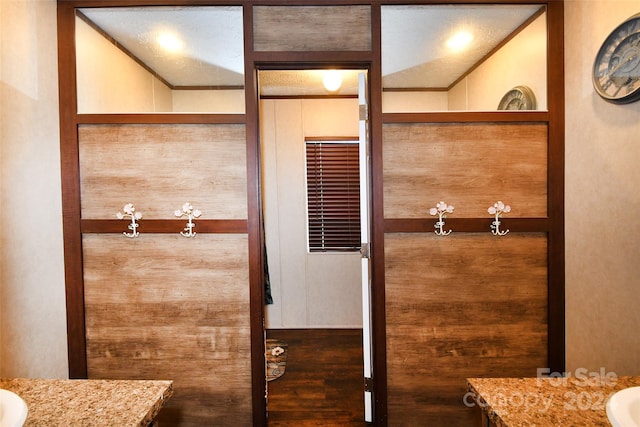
(538, 402)
(90, 402)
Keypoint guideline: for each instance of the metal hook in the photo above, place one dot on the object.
(191, 213)
(441, 209)
(497, 210)
(129, 210)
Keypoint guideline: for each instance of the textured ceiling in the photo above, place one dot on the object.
(414, 52)
(304, 82)
(212, 38)
(413, 44)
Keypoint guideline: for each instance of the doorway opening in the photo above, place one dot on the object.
(315, 190)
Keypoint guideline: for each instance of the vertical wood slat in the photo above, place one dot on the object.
(71, 192)
(312, 28)
(160, 167)
(255, 226)
(470, 305)
(470, 166)
(166, 307)
(555, 76)
(379, 386)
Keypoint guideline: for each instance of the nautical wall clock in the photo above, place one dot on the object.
(518, 98)
(616, 70)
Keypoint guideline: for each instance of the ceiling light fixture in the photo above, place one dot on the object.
(170, 42)
(459, 40)
(332, 80)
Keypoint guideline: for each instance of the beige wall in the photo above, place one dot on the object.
(602, 198)
(208, 101)
(602, 202)
(32, 306)
(521, 62)
(109, 81)
(309, 289)
(414, 102)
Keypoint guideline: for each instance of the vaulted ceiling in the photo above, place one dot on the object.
(414, 54)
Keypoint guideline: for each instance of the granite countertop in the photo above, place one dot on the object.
(90, 402)
(572, 401)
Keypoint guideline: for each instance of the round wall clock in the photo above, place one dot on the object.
(616, 70)
(518, 98)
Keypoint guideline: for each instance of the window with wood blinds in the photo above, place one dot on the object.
(333, 195)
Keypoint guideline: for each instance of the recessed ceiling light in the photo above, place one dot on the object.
(332, 80)
(459, 40)
(170, 41)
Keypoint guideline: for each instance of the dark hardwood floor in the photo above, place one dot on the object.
(323, 380)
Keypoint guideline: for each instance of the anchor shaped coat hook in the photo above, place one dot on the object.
(441, 209)
(191, 213)
(497, 210)
(130, 211)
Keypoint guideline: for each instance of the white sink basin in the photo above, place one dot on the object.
(13, 410)
(623, 408)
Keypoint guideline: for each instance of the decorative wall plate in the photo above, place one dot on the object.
(518, 98)
(616, 69)
(276, 357)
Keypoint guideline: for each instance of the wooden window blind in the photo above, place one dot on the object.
(333, 195)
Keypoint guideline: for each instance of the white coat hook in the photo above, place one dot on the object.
(441, 210)
(129, 211)
(497, 210)
(191, 213)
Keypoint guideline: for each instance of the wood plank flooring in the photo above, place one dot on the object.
(323, 381)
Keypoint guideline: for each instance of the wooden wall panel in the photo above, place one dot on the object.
(296, 28)
(160, 167)
(468, 165)
(460, 306)
(164, 306)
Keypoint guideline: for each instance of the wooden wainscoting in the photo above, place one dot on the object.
(468, 305)
(159, 167)
(323, 380)
(469, 165)
(165, 307)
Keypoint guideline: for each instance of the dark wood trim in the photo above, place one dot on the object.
(256, 228)
(467, 117)
(132, 3)
(385, 2)
(279, 60)
(279, 64)
(69, 157)
(204, 87)
(119, 3)
(310, 2)
(415, 89)
(379, 329)
(308, 96)
(555, 192)
(466, 225)
(453, 2)
(154, 118)
(331, 138)
(220, 226)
